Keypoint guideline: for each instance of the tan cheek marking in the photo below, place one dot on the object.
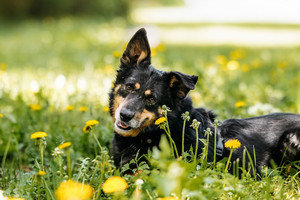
(137, 86)
(117, 101)
(142, 116)
(159, 110)
(173, 80)
(147, 92)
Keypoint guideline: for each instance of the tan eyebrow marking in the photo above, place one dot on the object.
(137, 86)
(147, 92)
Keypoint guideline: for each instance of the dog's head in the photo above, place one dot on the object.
(140, 90)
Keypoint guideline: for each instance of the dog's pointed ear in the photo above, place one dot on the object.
(137, 50)
(180, 84)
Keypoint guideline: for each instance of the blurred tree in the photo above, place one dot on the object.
(43, 8)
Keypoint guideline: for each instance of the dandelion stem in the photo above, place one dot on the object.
(228, 161)
(100, 182)
(183, 129)
(5, 154)
(69, 164)
(197, 144)
(97, 141)
(41, 149)
(215, 144)
(171, 140)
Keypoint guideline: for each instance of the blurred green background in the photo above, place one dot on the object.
(246, 54)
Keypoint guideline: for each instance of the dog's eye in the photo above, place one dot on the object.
(151, 100)
(129, 87)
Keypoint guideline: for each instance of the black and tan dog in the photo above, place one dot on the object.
(140, 91)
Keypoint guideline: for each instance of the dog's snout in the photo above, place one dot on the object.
(126, 115)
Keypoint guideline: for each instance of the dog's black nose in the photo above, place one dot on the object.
(126, 115)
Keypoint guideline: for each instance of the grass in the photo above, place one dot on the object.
(57, 63)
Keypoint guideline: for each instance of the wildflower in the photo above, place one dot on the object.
(71, 190)
(35, 107)
(114, 184)
(69, 108)
(195, 124)
(239, 104)
(64, 145)
(3, 66)
(245, 68)
(56, 152)
(233, 65)
(168, 198)
(237, 54)
(86, 129)
(15, 198)
(117, 54)
(89, 125)
(92, 122)
(38, 134)
(106, 109)
(153, 52)
(160, 47)
(83, 109)
(160, 120)
(41, 173)
(221, 60)
(1, 115)
(232, 144)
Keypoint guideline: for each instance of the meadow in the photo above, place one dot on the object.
(55, 76)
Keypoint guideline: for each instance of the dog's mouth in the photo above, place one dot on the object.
(123, 125)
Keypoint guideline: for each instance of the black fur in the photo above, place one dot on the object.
(275, 137)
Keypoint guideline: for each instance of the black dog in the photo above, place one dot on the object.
(137, 98)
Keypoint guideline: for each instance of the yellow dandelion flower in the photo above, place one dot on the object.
(106, 109)
(282, 65)
(256, 63)
(245, 68)
(117, 54)
(69, 108)
(64, 145)
(83, 109)
(41, 173)
(160, 47)
(233, 65)
(39, 134)
(92, 122)
(114, 184)
(237, 54)
(3, 66)
(153, 52)
(15, 198)
(239, 104)
(233, 144)
(86, 129)
(71, 190)
(35, 107)
(109, 69)
(160, 120)
(221, 60)
(1, 115)
(168, 198)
